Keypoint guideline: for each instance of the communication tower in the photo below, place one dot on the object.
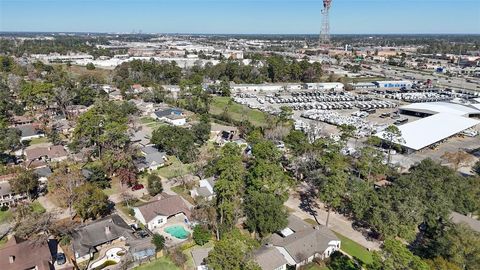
(325, 30)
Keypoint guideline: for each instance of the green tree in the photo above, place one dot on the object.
(90, 66)
(338, 261)
(201, 236)
(285, 114)
(231, 252)
(265, 213)
(229, 186)
(201, 130)
(176, 141)
(393, 136)
(461, 246)
(159, 241)
(90, 202)
(26, 182)
(266, 150)
(297, 141)
(370, 162)
(396, 256)
(154, 184)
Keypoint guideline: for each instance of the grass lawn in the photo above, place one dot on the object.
(161, 263)
(237, 111)
(37, 207)
(355, 250)
(174, 169)
(147, 120)
(5, 216)
(39, 140)
(351, 247)
(114, 187)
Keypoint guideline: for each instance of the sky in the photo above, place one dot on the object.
(241, 16)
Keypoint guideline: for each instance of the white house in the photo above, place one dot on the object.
(174, 116)
(205, 189)
(156, 213)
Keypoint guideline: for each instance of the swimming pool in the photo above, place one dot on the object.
(177, 231)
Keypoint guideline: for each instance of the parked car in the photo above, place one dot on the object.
(137, 187)
(61, 259)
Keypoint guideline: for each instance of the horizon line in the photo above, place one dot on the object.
(187, 33)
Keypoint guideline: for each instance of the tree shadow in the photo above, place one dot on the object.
(308, 201)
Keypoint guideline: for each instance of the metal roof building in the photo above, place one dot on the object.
(429, 108)
(427, 131)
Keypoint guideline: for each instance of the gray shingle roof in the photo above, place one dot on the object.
(269, 258)
(99, 232)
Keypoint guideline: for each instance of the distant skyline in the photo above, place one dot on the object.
(241, 16)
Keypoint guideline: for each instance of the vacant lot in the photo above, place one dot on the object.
(237, 111)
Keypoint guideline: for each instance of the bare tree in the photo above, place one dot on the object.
(458, 159)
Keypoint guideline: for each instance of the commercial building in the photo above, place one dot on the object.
(431, 108)
(430, 130)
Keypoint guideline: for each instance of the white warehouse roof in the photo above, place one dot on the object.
(440, 107)
(427, 131)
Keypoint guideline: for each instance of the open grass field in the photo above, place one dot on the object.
(161, 263)
(78, 71)
(237, 111)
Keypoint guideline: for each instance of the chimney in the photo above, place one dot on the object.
(107, 229)
(11, 259)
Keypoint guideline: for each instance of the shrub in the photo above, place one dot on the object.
(201, 235)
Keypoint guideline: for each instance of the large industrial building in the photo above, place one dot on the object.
(430, 130)
(441, 120)
(431, 108)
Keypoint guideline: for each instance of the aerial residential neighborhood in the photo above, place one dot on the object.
(232, 135)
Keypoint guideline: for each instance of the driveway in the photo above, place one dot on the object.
(304, 207)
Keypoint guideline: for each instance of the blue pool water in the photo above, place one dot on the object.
(177, 231)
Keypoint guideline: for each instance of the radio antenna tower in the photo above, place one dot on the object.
(325, 30)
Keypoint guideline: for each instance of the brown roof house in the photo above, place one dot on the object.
(156, 213)
(23, 255)
(53, 153)
(296, 245)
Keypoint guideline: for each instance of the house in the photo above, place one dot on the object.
(75, 110)
(140, 137)
(29, 132)
(174, 116)
(199, 254)
(152, 159)
(21, 120)
(55, 153)
(298, 244)
(205, 189)
(156, 213)
(458, 218)
(25, 255)
(90, 238)
(7, 196)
